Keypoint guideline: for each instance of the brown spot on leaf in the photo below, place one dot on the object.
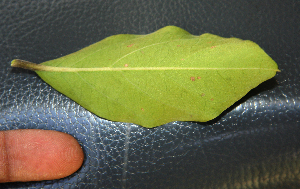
(142, 109)
(209, 42)
(125, 65)
(178, 45)
(198, 77)
(182, 59)
(202, 94)
(212, 99)
(130, 45)
(192, 78)
(212, 47)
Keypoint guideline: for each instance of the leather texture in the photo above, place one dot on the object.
(254, 143)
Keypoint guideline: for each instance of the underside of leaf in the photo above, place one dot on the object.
(150, 80)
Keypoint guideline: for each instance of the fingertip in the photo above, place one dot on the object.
(33, 155)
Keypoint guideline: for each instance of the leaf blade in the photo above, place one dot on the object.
(165, 76)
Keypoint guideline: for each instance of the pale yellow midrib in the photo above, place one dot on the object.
(41, 67)
(64, 69)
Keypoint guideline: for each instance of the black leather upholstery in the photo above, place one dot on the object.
(256, 137)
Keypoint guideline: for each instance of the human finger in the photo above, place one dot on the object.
(33, 155)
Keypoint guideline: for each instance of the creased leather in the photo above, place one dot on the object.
(257, 136)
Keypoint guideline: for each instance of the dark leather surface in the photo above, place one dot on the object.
(256, 138)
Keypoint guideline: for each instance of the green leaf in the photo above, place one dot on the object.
(150, 80)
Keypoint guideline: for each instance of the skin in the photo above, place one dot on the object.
(35, 155)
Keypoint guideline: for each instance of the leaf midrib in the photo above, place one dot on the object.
(41, 67)
(66, 69)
